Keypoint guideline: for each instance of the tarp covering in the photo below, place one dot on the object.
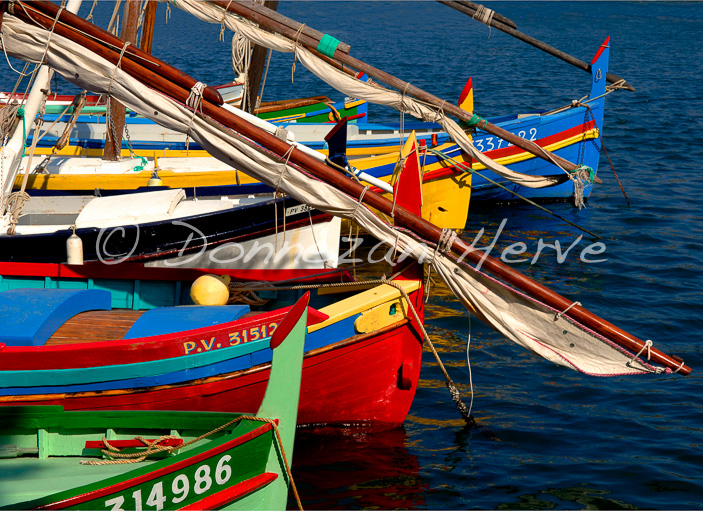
(515, 315)
(357, 89)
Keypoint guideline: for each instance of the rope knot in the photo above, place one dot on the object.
(195, 98)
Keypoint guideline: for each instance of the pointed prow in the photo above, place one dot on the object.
(337, 143)
(599, 68)
(283, 389)
(466, 98)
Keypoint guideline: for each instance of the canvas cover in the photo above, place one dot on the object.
(520, 318)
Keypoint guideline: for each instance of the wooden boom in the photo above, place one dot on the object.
(27, 11)
(263, 17)
(505, 25)
(403, 217)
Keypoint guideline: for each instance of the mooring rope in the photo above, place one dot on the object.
(453, 391)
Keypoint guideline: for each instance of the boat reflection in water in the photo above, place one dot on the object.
(346, 469)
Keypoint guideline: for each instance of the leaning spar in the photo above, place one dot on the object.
(318, 52)
(490, 300)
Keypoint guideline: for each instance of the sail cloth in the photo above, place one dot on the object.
(373, 93)
(515, 315)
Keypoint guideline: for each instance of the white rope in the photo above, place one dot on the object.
(117, 66)
(314, 238)
(468, 365)
(484, 15)
(560, 314)
(241, 54)
(21, 73)
(90, 14)
(647, 346)
(194, 101)
(115, 18)
(361, 199)
(678, 368)
(195, 98)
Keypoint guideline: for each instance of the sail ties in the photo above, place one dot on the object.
(560, 314)
(444, 245)
(647, 346)
(359, 202)
(195, 103)
(484, 15)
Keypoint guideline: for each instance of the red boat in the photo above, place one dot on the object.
(361, 366)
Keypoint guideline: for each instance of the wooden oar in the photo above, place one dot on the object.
(264, 17)
(418, 225)
(505, 25)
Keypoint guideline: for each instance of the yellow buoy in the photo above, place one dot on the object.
(210, 290)
(155, 180)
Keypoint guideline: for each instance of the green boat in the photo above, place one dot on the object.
(120, 460)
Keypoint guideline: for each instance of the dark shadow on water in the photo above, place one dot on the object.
(353, 470)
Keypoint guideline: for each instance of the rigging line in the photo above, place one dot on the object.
(464, 168)
(4, 49)
(602, 144)
(468, 365)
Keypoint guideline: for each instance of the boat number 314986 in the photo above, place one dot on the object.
(180, 488)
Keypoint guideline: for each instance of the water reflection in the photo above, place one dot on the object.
(352, 470)
(583, 496)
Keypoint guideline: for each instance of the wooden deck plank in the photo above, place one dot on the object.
(95, 326)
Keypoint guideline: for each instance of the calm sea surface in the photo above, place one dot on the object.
(547, 437)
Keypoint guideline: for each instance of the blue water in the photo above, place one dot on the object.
(547, 437)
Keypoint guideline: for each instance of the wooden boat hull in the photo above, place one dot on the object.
(573, 134)
(316, 109)
(216, 460)
(231, 473)
(361, 364)
(219, 239)
(354, 382)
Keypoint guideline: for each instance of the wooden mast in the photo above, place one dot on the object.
(250, 100)
(115, 125)
(148, 26)
(74, 29)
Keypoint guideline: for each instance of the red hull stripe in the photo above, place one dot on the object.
(139, 271)
(102, 492)
(233, 493)
(131, 351)
(122, 444)
(514, 150)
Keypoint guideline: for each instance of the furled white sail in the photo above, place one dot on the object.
(373, 93)
(517, 316)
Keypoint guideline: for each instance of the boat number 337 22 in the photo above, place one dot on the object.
(484, 144)
(184, 487)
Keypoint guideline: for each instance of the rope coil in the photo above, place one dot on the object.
(154, 447)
